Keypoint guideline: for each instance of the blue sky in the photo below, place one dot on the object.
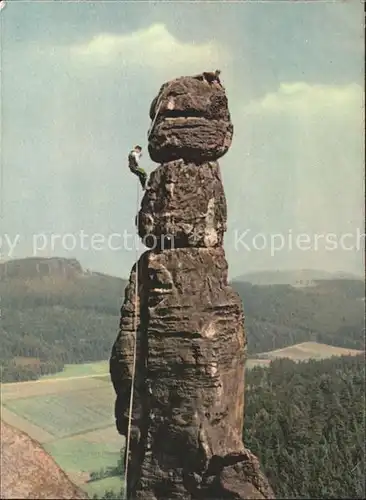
(77, 83)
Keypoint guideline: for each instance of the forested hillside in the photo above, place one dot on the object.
(332, 312)
(48, 321)
(61, 314)
(306, 424)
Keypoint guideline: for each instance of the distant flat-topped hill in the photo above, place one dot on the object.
(54, 312)
(34, 267)
(299, 277)
(27, 471)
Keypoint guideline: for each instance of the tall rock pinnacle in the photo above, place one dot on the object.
(188, 402)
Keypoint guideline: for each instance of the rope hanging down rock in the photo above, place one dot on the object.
(128, 437)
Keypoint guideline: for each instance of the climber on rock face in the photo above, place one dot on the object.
(133, 164)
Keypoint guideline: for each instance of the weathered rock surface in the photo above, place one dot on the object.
(186, 202)
(192, 123)
(189, 383)
(188, 397)
(27, 471)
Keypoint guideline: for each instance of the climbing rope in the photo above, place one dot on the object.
(128, 437)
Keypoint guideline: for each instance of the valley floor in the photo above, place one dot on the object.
(71, 414)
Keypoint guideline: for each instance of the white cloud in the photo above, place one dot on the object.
(306, 99)
(303, 146)
(153, 47)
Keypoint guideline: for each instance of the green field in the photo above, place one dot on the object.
(90, 410)
(300, 352)
(97, 368)
(308, 350)
(83, 456)
(99, 487)
(72, 415)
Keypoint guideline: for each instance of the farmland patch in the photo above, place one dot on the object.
(67, 413)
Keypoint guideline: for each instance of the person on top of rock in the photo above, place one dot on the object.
(210, 77)
(133, 164)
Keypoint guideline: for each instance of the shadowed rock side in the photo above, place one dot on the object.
(27, 471)
(193, 121)
(188, 408)
(121, 361)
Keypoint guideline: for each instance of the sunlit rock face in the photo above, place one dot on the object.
(192, 121)
(185, 203)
